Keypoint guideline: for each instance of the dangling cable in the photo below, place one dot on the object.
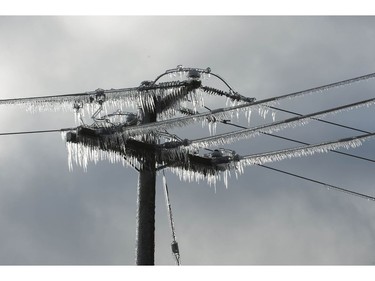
(174, 244)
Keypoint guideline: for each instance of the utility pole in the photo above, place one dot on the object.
(150, 153)
(145, 234)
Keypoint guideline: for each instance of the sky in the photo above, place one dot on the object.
(52, 216)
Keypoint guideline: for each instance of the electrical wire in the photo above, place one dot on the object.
(36, 132)
(278, 170)
(246, 133)
(305, 150)
(309, 179)
(290, 95)
(305, 143)
(321, 120)
(329, 186)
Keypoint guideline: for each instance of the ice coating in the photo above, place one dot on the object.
(178, 162)
(219, 114)
(231, 137)
(303, 151)
(260, 159)
(81, 155)
(227, 113)
(128, 97)
(176, 95)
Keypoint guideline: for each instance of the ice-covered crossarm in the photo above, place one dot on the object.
(230, 137)
(308, 150)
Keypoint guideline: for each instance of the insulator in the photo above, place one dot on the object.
(194, 74)
(175, 249)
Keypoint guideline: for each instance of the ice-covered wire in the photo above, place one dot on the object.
(306, 150)
(134, 93)
(65, 97)
(217, 114)
(273, 127)
(239, 163)
(305, 143)
(36, 132)
(142, 96)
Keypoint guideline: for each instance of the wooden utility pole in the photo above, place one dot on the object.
(145, 234)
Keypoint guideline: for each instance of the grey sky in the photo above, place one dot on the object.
(49, 215)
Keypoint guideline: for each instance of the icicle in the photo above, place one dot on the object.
(248, 116)
(226, 178)
(273, 116)
(302, 151)
(81, 155)
(63, 135)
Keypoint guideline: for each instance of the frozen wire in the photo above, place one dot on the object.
(306, 150)
(36, 132)
(275, 126)
(305, 143)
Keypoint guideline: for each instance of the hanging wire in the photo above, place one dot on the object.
(174, 245)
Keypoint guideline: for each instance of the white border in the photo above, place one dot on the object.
(187, 7)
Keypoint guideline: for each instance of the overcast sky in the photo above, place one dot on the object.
(49, 215)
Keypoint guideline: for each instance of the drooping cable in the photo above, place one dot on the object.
(174, 245)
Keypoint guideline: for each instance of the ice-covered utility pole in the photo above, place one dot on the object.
(145, 234)
(157, 99)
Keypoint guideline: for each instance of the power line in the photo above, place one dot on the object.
(270, 168)
(132, 89)
(321, 120)
(324, 147)
(275, 126)
(36, 132)
(305, 143)
(228, 123)
(329, 186)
